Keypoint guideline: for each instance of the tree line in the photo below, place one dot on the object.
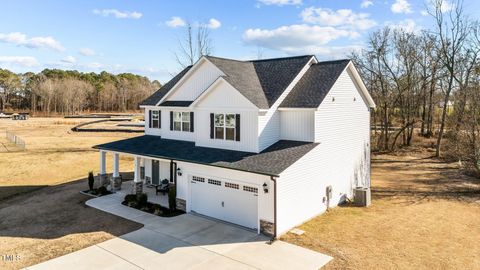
(427, 83)
(72, 92)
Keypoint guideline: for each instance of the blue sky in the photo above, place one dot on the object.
(140, 36)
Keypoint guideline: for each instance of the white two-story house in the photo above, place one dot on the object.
(265, 144)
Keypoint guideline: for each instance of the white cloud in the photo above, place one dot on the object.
(21, 39)
(341, 17)
(401, 6)
(294, 39)
(87, 52)
(281, 2)
(446, 5)
(69, 59)
(24, 61)
(408, 25)
(213, 23)
(118, 14)
(366, 3)
(424, 13)
(335, 52)
(175, 22)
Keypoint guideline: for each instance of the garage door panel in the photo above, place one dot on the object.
(225, 200)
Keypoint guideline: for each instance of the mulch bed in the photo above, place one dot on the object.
(155, 209)
(95, 193)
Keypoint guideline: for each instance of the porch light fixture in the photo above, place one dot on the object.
(179, 172)
(265, 187)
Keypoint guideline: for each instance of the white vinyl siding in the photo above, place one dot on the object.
(248, 136)
(297, 125)
(204, 75)
(221, 99)
(270, 133)
(342, 159)
(269, 122)
(153, 131)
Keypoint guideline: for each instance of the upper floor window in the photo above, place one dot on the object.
(226, 126)
(155, 119)
(181, 121)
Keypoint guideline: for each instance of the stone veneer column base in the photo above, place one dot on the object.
(103, 180)
(181, 204)
(137, 188)
(267, 228)
(116, 183)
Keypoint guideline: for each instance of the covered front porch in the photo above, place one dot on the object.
(148, 175)
(128, 187)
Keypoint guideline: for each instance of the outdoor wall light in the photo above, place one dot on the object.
(265, 187)
(179, 172)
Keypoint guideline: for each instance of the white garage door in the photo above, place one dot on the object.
(226, 200)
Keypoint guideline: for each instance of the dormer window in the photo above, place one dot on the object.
(225, 126)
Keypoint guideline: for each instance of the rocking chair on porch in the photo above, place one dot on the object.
(163, 187)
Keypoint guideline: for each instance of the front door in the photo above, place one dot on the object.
(155, 172)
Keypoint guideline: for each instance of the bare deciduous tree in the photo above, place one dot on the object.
(195, 43)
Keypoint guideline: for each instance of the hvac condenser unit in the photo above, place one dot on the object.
(362, 196)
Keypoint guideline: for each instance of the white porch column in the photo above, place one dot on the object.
(136, 173)
(137, 181)
(116, 165)
(103, 162)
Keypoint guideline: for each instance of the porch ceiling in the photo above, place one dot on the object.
(272, 161)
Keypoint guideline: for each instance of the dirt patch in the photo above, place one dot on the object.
(51, 222)
(42, 213)
(424, 215)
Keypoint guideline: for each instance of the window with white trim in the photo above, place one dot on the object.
(155, 121)
(181, 121)
(225, 126)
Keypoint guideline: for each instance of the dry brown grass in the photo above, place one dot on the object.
(424, 215)
(42, 214)
(54, 153)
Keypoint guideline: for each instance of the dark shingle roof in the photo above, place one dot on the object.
(271, 161)
(176, 103)
(159, 94)
(261, 81)
(312, 88)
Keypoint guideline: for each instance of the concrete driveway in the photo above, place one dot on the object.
(183, 242)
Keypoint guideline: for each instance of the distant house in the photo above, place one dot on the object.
(265, 144)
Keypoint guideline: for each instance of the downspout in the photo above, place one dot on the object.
(274, 236)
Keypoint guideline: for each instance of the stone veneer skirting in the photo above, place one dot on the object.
(116, 183)
(137, 188)
(103, 180)
(267, 227)
(181, 204)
